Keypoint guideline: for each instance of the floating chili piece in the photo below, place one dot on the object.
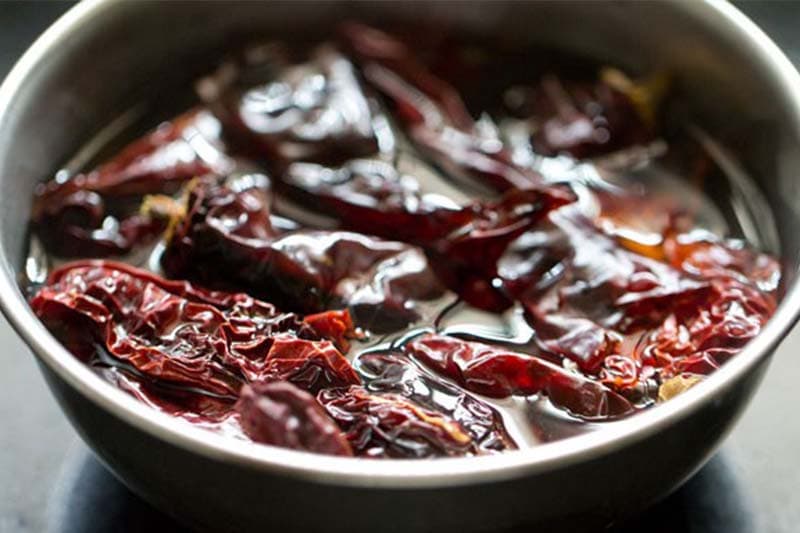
(371, 44)
(226, 238)
(371, 196)
(706, 256)
(281, 414)
(584, 119)
(463, 242)
(434, 116)
(212, 413)
(743, 294)
(95, 213)
(388, 425)
(621, 315)
(397, 374)
(281, 109)
(467, 259)
(171, 332)
(312, 365)
(499, 373)
(581, 289)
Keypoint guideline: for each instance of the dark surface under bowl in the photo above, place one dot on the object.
(734, 493)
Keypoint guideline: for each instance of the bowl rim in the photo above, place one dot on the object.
(393, 473)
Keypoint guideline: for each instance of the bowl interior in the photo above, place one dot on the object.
(101, 59)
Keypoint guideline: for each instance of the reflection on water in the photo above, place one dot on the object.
(88, 499)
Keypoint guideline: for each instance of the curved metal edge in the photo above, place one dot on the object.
(397, 474)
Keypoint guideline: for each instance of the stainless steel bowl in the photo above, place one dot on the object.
(103, 56)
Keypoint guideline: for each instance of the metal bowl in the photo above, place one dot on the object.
(102, 56)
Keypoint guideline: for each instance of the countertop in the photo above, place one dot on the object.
(50, 481)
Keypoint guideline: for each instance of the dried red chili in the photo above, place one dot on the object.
(705, 256)
(499, 373)
(95, 213)
(582, 291)
(433, 114)
(200, 410)
(281, 109)
(281, 414)
(371, 196)
(226, 237)
(582, 119)
(395, 373)
(179, 334)
(463, 242)
(388, 425)
(619, 314)
(742, 297)
(336, 326)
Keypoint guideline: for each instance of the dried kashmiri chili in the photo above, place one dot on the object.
(280, 109)
(588, 119)
(466, 260)
(703, 255)
(627, 318)
(433, 114)
(201, 410)
(371, 196)
(389, 425)
(463, 242)
(499, 373)
(177, 334)
(281, 414)
(393, 372)
(225, 237)
(582, 291)
(96, 213)
(742, 297)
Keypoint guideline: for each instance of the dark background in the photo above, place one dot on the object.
(49, 481)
